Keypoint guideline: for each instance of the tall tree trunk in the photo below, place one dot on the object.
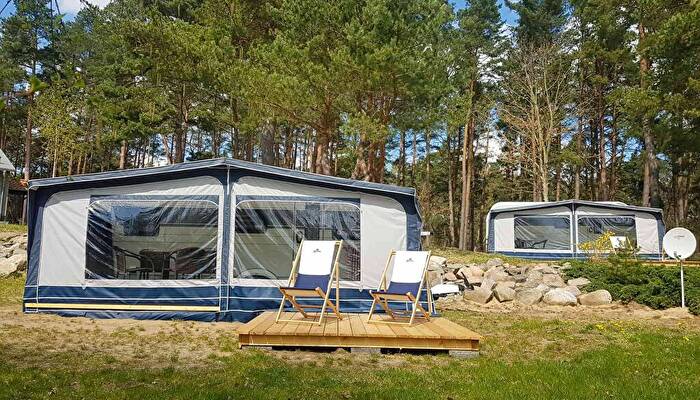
(122, 154)
(28, 139)
(467, 166)
(402, 158)
(267, 143)
(649, 189)
(451, 190)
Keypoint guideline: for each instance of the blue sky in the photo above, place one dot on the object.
(70, 7)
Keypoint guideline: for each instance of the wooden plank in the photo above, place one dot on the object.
(358, 328)
(459, 330)
(252, 324)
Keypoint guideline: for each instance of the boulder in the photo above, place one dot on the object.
(553, 280)
(497, 274)
(508, 284)
(475, 270)
(474, 280)
(437, 263)
(533, 279)
(597, 298)
(449, 276)
(503, 293)
(545, 269)
(479, 295)
(494, 262)
(528, 297)
(519, 278)
(559, 297)
(566, 265)
(487, 283)
(542, 288)
(573, 290)
(434, 278)
(578, 282)
(14, 263)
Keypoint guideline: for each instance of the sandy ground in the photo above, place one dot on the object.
(31, 339)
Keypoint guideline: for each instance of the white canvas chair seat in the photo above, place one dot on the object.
(404, 283)
(315, 269)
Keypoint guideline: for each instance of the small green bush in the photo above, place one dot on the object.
(628, 280)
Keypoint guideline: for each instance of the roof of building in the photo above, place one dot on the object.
(530, 205)
(5, 164)
(223, 163)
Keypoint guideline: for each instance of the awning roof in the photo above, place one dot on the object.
(224, 163)
(611, 205)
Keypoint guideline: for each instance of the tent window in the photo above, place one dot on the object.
(542, 233)
(268, 233)
(591, 228)
(151, 239)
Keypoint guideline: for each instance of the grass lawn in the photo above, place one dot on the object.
(525, 355)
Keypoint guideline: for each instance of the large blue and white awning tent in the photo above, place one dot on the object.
(554, 230)
(205, 240)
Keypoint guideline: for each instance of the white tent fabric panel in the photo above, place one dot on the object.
(65, 223)
(504, 231)
(383, 225)
(646, 226)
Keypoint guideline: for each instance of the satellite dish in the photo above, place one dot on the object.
(679, 243)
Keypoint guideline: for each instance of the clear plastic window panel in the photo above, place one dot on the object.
(268, 234)
(151, 239)
(542, 233)
(591, 228)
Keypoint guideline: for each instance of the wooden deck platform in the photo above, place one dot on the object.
(354, 332)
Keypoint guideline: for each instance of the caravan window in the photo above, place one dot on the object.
(151, 239)
(591, 228)
(268, 233)
(542, 232)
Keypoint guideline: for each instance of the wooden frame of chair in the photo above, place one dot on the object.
(290, 293)
(383, 298)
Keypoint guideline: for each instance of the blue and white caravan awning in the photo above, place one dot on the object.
(561, 229)
(209, 240)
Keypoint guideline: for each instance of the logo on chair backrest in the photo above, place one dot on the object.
(317, 250)
(409, 260)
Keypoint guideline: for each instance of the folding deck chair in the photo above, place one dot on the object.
(408, 275)
(314, 270)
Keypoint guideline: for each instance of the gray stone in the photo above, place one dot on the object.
(528, 297)
(488, 283)
(503, 293)
(519, 278)
(542, 288)
(553, 280)
(533, 279)
(566, 265)
(437, 263)
(573, 290)
(578, 282)
(494, 262)
(559, 297)
(479, 295)
(597, 298)
(14, 263)
(464, 354)
(365, 350)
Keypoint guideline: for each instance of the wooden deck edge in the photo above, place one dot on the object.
(357, 341)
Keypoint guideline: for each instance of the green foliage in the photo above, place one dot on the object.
(631, 280)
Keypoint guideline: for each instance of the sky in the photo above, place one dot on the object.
(71, 7)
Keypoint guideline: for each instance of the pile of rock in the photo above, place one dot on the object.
(501, 282)
(13, 253)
